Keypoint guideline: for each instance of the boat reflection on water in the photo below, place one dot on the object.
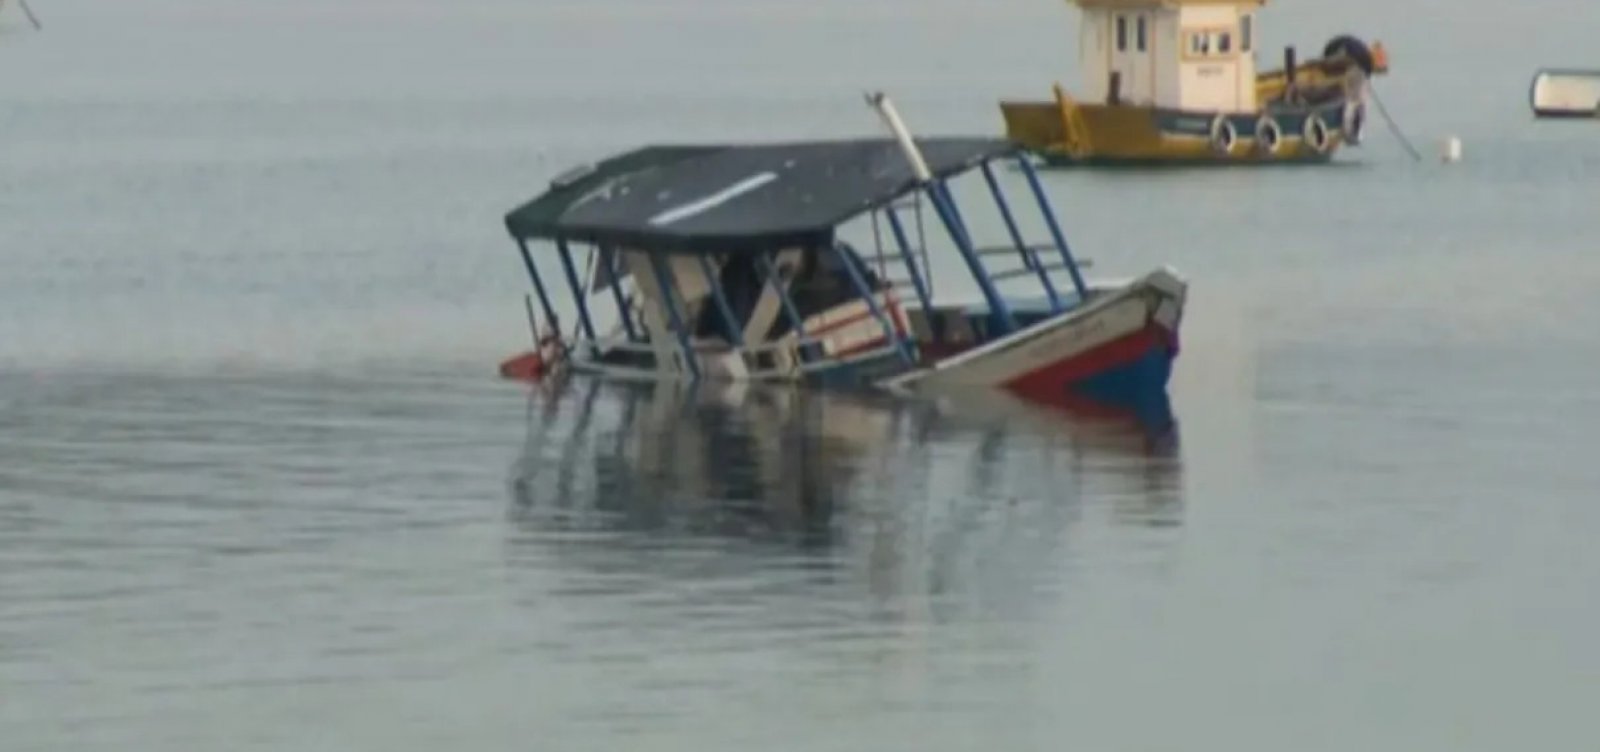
(821, 468)
(874, 546)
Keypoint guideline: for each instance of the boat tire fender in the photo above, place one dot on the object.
(1223, 134)
(1355, 122)
(1316, 134)
(1269, 136)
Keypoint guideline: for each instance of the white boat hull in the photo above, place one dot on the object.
(1118, 348)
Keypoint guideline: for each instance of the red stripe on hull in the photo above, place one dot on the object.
(1050, 381)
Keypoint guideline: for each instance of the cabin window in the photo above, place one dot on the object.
(1139, 33)
(1122, 33)
(1247, 24)
(1210, 43)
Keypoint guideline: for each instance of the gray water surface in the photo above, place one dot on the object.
(259, 488)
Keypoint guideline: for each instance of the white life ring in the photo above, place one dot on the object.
(1269, 136)
(1223, 135)
(1355, 122)
(1316, 133)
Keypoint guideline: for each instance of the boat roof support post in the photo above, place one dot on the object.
(1029, 258)
(877, 247)
(663, 275)
(577, 289)
(945, 207)
(770, 272)
(899, 232)
(728, 319)
(859, 279)
(608, 256)
(1055, 228)
(538, 287)
(922, 243)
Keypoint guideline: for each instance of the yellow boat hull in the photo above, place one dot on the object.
(1066, 132)
(1307, 118)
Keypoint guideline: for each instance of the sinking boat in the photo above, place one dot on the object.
(1565, 93)
(1175, 82)
(736, 262)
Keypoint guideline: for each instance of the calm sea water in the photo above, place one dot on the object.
(260, 490)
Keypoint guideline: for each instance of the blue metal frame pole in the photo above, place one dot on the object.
(945, 208)
(577, 289)
(538, 286)
(1055, 228)
(860, 281)
(735, 335)
(770, 272)
(911, 263)
(955, 211)
(663, 275)
(1028, 256)
(608, 256)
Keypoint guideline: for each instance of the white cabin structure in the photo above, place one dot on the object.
(1192, 55)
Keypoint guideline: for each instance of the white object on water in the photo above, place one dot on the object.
(1566, 94)
(1452, 150)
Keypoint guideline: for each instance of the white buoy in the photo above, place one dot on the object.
(1451, 151)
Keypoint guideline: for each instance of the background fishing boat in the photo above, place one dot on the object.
(1565, 93)
(1175, 82)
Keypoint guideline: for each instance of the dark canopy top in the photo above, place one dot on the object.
(731, 198)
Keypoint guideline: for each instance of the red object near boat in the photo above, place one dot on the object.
(528, 366)
(533, 365)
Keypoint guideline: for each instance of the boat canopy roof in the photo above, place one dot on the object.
(730, 198)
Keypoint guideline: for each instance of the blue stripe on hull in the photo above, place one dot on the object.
(1139, 385)
(1197, 125)
(1209, 162)
(859, 372)
(1291, 121)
